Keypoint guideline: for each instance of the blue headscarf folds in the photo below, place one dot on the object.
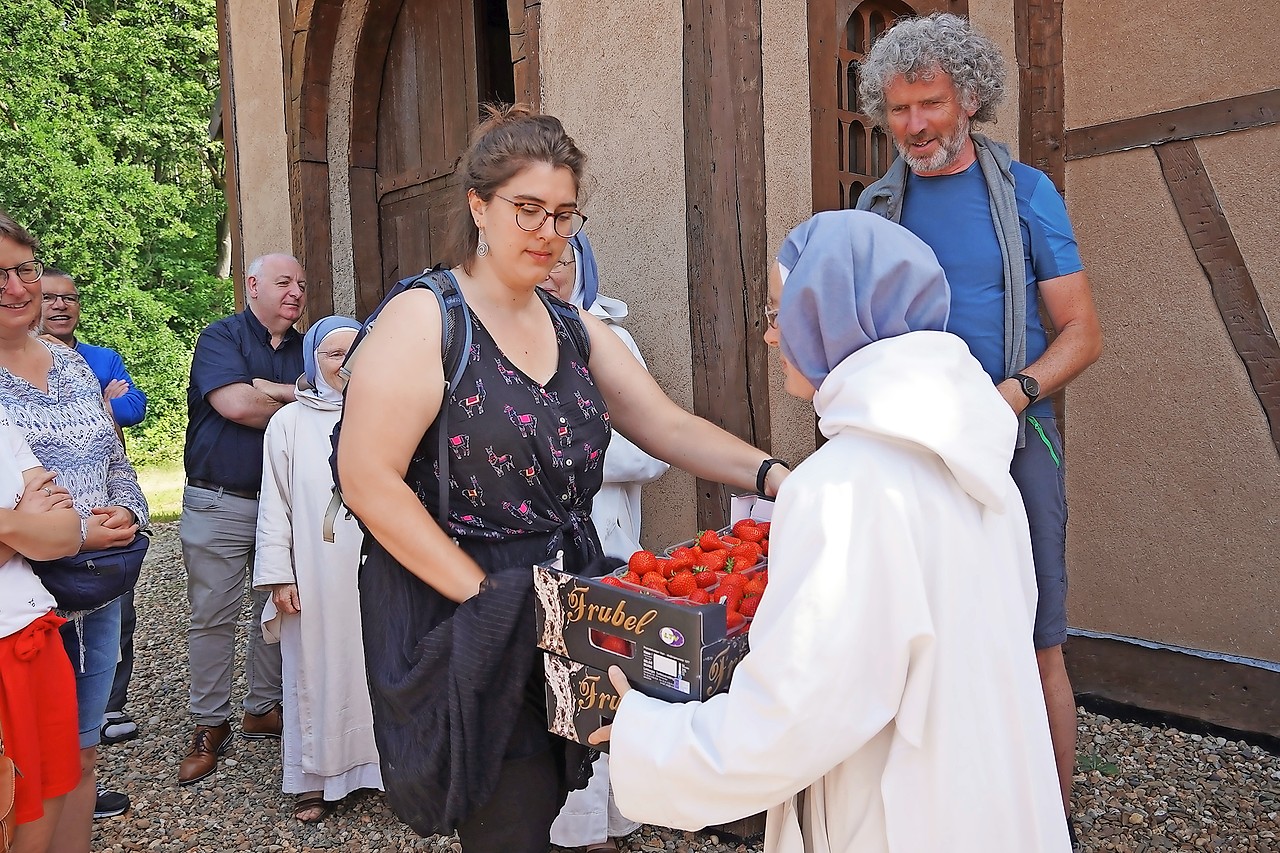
(851, 278)
(586, 285)
(315, 336)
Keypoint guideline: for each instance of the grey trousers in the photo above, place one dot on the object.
(217, 533)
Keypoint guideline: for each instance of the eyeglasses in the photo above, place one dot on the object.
(332, 354)
(559, 265)
(530, 216)
(28, 272)
(50, 298)
(771, 317)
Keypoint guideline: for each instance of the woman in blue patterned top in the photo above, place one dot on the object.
(54, 399)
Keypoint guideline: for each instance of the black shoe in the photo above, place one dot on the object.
(109, 803)
(118, 727)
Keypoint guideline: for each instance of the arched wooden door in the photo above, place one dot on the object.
(422, 71)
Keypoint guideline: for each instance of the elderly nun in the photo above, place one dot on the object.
(314, 612)
(890, 700)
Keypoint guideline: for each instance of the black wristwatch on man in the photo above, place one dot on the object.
(1030, 386)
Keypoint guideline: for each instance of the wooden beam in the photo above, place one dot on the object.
(1231, 694)
(725, 217)
(1209, 119)
(1220, 257)
(824, 42)
(1038, 44)
(526, 18)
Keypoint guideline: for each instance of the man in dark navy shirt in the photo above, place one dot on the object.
(244, 370)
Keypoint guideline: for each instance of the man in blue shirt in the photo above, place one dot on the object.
(1001, 232)
(243, 371)
(60, 315)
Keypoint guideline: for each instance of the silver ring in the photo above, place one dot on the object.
(48, 491)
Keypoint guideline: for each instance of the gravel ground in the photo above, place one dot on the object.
(1141, 789)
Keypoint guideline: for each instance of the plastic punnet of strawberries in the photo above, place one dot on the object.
(725, 567)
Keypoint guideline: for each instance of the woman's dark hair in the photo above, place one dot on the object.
(15, 232)
(510, 139)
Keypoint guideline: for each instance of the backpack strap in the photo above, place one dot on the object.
(570, 320)
(455, 344)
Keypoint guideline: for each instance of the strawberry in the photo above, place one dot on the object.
(733, 619)
(742, 525)
(655, 582)
(708, 540)
(750, 534)
(682, 584)
(755, 586)
(610, 643)
(611, 580)
(764, 527)
(642, 562)
(631, 577)
(704, 577)
(683, 558)
(746, 555)
(716, 560)
(749, 604)
(665, 567)
(732, 581)
(699, 596)
(730, 541)
(730, 597)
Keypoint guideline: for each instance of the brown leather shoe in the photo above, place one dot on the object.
(207, 744)
(259, 726)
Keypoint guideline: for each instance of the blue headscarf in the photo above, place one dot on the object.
(851, 278)
(315, 336)
(586, 284)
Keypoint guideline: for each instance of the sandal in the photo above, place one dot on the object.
(308, 803)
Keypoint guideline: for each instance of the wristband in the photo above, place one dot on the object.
(84, 531)
(764, 472)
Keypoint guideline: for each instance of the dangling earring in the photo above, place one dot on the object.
(482, 248)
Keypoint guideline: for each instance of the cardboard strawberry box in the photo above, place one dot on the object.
(667, 649)
(580, 699)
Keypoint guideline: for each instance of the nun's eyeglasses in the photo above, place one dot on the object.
(559, 265)
(771, 317)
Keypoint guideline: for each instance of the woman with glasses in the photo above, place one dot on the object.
(456, 681)
(54, 399)
(310, 571)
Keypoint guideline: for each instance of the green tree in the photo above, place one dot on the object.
(105, 156)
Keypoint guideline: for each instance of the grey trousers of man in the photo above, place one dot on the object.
(218, 531)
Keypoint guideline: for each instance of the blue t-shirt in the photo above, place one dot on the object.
(952, 213)
(233, 349)
(106, 364)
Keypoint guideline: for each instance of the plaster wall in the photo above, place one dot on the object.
(257, 128)
(1154, 55)
(612, 72)
(994, 19)
(1174, 482)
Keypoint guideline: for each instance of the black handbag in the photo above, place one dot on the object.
(91, 579)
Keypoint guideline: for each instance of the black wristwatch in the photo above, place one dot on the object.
(1030, 386)
(764, 472)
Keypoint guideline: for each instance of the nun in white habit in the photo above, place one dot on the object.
(590, 819)
(314, 612)
(890, 700)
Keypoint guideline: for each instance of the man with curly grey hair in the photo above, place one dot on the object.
(1001, 232)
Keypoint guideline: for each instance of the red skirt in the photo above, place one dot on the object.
(38, 715)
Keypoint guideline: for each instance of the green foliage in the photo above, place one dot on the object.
(105, 157)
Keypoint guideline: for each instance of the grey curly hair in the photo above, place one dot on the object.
(918, 48)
